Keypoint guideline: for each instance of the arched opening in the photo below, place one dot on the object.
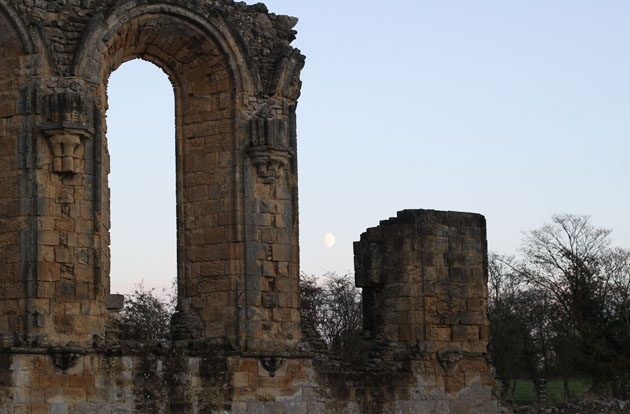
(208, 199)
(141, 145)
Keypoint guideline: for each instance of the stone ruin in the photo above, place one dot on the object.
(237, 345)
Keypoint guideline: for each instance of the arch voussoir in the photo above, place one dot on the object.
(19, 27)
(211, 25)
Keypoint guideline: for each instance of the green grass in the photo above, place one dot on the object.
(525, 393)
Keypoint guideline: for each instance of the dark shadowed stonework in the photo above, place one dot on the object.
(237, 344)
(424, 279)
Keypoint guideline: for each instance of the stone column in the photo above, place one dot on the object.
(271, 318)
(68, 299)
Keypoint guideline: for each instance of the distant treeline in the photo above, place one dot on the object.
(561, 308)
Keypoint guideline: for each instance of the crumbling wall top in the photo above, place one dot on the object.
(59, 29)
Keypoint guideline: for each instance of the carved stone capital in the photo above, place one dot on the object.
(65, 146)
(67, 122)
(270, 164)
(269, 148)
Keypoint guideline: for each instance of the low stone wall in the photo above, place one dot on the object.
(586, 406)
(215, 380)
(425, 345)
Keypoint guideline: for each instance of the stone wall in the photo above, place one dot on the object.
(424, 279)
(236, 83)
(586, 406)
(13, 207)
(427, 373)
(236, 341)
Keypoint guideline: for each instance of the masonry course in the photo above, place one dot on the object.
(237, 343)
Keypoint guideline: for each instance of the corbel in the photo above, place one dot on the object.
(269, 148)
(67, 124)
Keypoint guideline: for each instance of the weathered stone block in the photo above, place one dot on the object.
(115, 302)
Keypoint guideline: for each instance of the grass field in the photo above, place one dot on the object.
(524, 392)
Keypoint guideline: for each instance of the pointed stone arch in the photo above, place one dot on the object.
(88, 61)
(18, 25)
(215, 83)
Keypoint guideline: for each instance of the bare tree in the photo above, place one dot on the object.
(333, 310)
(570, 260)
(617, 266)
(565, 258)
(521, 330)
(311, 302)
(342, 313)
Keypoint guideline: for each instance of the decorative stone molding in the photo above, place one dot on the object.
(449, 357)
(67, 122)
(65, 360)
(269, 148)
(68, 110)
(272, 365)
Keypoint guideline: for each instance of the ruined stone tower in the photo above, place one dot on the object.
(236, 342)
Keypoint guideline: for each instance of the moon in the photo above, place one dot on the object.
(329, 239)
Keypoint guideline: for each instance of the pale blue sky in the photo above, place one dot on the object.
(516, 110)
